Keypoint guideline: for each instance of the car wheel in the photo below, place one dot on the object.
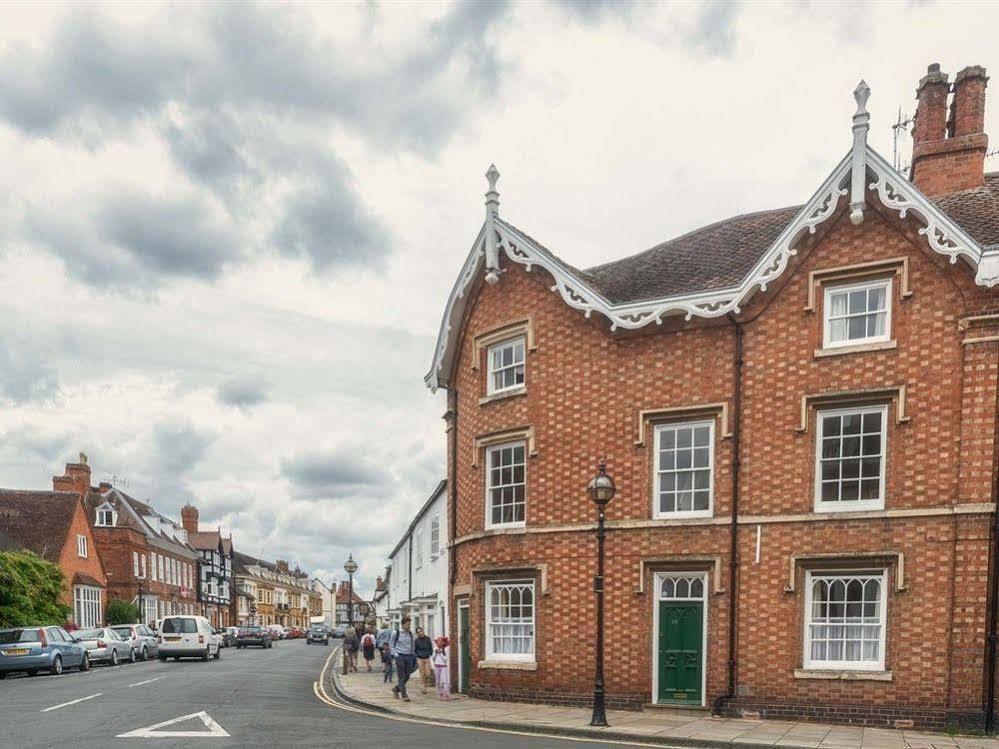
(85, 663)
(114, 657)
(56, 669)
(3, 675)
(131, 655)
(144, 655)
(162, 658)
(218, 654)
(207, 653)
(32, 672)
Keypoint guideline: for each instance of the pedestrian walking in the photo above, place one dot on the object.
(368, 647)
(384, 635)
(386, 651)
(423, 648)
(442, 676)
(351, 644)
(403, 648)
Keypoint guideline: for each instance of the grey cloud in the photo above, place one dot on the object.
(210, 148)
(177, 448)
(332, 473)
(715, 30)
(25, 374)
(243, 391)
(593, 11)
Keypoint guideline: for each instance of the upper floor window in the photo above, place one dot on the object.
(435, 536)
(81, 545)
(684, 469)
(506, 366)
(105, 516)
(506, 484)
(419, 548)
(135, 564)
(850, 459)
(845, 621)
(510, 621)
(858, 313)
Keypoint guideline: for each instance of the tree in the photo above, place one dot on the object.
(31, 590)
(122, 612)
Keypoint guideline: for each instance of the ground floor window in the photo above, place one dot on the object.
(149, 609)
(87, 606)
(845, 620)
(510, 621)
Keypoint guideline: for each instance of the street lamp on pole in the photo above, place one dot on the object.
(351, 568)
(601, 490)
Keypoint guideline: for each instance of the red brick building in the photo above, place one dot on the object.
(146, 555)
(54, 525)
(799, 407)
(215, 578)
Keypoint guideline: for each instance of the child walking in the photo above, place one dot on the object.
(386, 651)
(441, 676)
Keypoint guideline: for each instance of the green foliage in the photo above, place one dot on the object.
(30, 590)
(122, 612)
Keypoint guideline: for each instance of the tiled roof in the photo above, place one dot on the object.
(720, 255)
(82, 578)
(38, 521)
(976, 211)
(204, 539)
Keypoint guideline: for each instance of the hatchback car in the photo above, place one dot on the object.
(187, 637)
(140, 637)
(104, 645)
(32, 649)
(253, 634)
(317, 633)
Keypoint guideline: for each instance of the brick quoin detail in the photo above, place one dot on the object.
(585, 387)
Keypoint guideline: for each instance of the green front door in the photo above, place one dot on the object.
(464, 645)
(681, 651)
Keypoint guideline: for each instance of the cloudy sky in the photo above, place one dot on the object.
(227, 232)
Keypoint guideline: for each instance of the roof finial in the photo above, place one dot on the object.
(858, 167)
(492, 213)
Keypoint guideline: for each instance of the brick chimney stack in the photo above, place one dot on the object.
(75, 479)
(189, 518)
(948, 152)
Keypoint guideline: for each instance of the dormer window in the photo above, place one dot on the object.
(857, 314)
(506, 366)
(106, 516)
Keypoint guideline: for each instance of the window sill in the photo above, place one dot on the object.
(853, 505)
(509, 665)
(858, 348)
(820, 673)
(512, 393)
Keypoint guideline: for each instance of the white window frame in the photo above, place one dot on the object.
(101, 516)
(135, 564)
(87, 606)
(810, 578)
(81, 546)
(435, 536)
(418, 543)
(829, 291)
(491, 388)
(659, 430)
(487, 462)
(491, 654)
(851, 505)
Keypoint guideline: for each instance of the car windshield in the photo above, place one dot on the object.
(251, 629)
(123, 631)
(178, 625)
(89, 634)
(8, 636)
(317, 627)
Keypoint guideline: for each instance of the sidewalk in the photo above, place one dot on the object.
(652, 726)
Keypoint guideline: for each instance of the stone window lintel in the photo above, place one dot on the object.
(514, 329)
(835, 561)
(654, 416)
(846, 398)
(899, 265)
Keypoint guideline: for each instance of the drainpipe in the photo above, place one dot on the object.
(733, 568)
(991, 638)
(452, 483)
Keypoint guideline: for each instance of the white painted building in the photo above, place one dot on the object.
(418, 580)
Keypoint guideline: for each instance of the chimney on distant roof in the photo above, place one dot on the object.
(189, 518)
(75, 479)
(948, 152)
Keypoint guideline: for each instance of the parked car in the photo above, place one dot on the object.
(187, 637)
(140, 637)
(233, 631)
(104, 645)
(317, 633)
(340, 630)
(277, 631)
(31, 649)
(223, 634)
(254, 634)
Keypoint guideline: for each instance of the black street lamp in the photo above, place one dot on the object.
(351, 568)
(601, 490)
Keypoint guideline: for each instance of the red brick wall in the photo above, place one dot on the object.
(71, 563)
(585, 388)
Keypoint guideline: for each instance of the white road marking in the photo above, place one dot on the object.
(213, 729)
(147, 681)
(67, 704)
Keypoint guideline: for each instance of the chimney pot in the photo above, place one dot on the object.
(189, 518)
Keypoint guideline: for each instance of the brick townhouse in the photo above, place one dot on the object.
(215, 570)
(276, 593)
(799, 409)
(146, 554)
(54, 525)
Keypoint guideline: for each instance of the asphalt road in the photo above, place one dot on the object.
(261, 698)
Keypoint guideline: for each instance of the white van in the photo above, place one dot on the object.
(187, 637)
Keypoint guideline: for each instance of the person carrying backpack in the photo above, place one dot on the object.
(403, 648)
(368, 647)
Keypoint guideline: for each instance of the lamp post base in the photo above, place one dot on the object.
(599, 711)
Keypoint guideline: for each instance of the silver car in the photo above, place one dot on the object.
(104, 645)
(140, 637)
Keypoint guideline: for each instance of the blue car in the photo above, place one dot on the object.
(34, 649)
